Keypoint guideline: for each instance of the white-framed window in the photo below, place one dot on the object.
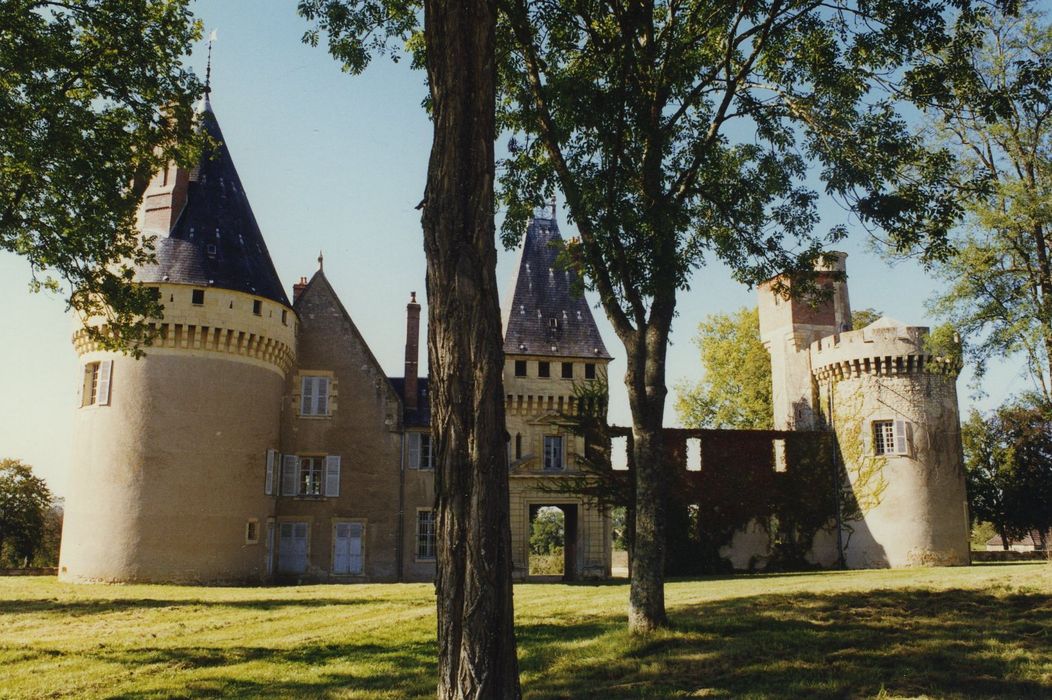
(95, 388)
(420, 451)
(252, 531)
(314, 395)
(554, 453)
(892, 437)
(425, 534)
(310, 475)
(348, 556)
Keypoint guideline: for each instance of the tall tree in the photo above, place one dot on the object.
(735, 388)
(685, 130)
(94, 100)
(24, 504)
(476, 640)
(997, 117)
(1008, 461)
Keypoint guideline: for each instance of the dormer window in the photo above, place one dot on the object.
(211, 250)
(553, 323)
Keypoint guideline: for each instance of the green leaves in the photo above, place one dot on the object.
(94, 98)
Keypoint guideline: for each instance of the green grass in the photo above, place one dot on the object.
(983, 631)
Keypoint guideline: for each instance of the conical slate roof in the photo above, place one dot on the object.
(545, 317)
(216, 241)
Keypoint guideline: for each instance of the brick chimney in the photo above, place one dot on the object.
(412, 351)
(164, 199)
(298, 288)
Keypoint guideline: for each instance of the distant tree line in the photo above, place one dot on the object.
(30, 518)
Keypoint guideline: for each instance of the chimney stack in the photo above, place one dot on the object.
(412, 351)
(164, 199)
(298, 288)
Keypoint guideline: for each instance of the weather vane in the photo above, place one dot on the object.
(208, 67)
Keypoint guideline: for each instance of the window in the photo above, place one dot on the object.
(553, 453)
(892, 437)
(257, 307)
(314, 397)
(544, 369)
(252, 531)
(420, 451)
(589, 370)
(292, 548)
(520, 368)
(518, 445)
(272, 466)
(425, 534)
(347, 548)
(284, 317)
(567, 370)
(310, 476)
(197, 297)
(95, 388)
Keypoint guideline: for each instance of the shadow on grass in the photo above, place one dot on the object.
(96, 606)
(903, 642)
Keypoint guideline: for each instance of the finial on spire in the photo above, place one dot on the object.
(208, 68)
(553, 203)
(321, 261)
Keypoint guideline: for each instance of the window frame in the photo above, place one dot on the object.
(197, 297)
(589, 370)
(553, 439)
(416, 452)
(567, 370)
(520, 368)
(892, 437)
(309, 404)
(544, 369)
(426, 535)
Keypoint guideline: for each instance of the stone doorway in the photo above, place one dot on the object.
(552, 527)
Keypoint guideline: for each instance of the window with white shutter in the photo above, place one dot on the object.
(347, 548)
(105, 379)
(553, 453)
(420, 451)
(903, 437)
(289, 475)
(314, 396)
(332, 475)
(272, 463)
(892, 437)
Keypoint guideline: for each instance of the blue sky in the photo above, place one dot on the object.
(336, 163)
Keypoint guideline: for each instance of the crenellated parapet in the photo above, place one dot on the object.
(878, 351)
(213, 322)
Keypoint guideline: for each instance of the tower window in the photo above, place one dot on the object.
(892, 437)
(314, 396)
(252, 531)
(589, 370)
(544, 369)
(257, 307)
(95, 390)
(520, 368)
(518, 445)
(197, 297)
(567, 370)
(284, 317)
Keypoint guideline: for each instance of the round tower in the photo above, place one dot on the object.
(175, 453)
(893, 408)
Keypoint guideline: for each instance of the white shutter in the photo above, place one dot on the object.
(355, 549)
(414, 450)
(80, 388)
(105, 373)
(341, 549)
(268, 483)
(289, 474)
(902, 446)
(270, 547)
(307, 401)
(322, 384)
(332, 475)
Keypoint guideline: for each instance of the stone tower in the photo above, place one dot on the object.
(551, 344)
(892, 406)
(173, 453)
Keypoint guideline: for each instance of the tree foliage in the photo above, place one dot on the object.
(25, 503)
(997, 117)
(735, 388)
(547, 531)
(1008, 460)
(860, 318)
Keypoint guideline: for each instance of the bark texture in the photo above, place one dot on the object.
(476, 640)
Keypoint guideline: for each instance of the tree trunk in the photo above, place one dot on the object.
(476, 639)
(645, 380)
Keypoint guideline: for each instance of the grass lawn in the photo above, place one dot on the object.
(983, 631)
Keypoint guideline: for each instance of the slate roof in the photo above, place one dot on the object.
(544, 316)
(421, 417)
(216, 240)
